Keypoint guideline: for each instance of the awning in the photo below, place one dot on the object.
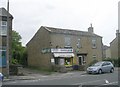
(63, 55)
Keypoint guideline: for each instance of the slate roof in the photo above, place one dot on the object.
(70, 32)
(3, 12)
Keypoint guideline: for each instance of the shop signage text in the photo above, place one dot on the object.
(61, 50)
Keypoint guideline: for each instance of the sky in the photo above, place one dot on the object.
(30, 15)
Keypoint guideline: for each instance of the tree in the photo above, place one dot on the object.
(19, 54)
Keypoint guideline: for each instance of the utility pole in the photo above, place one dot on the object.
(8, 48)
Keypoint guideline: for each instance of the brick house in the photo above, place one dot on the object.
(55, 46)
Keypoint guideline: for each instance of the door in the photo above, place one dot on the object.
(104, 67)
(80, 60)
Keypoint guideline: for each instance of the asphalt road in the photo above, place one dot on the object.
(72, 78)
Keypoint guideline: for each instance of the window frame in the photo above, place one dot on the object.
(67, 41)
(3, 28)
(94, 43)
(79, 43)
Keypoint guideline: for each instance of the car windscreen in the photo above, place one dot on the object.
(97, 64)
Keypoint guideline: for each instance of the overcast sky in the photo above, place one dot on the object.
(30, 15)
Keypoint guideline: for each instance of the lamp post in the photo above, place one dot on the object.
(8, 53)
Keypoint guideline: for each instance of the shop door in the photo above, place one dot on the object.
(61, 62)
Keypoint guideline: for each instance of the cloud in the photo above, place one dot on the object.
(29, 15)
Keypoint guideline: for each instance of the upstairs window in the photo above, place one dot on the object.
(3, 28)
(94, 43)
(3, 23)
(79, 43)
(94, 57)
(67, 41)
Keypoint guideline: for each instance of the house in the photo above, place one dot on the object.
(3, 38)
(55, 46)
(106, 52)
(114, 46)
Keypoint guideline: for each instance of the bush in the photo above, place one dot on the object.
(115, 61)
(14, 61)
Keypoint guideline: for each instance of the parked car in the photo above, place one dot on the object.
(1, 77)
(101, 67)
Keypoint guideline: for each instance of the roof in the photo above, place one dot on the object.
(3, 12)
(68, 31)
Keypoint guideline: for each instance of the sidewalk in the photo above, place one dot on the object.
(35, 75)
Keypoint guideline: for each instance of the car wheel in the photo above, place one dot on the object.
(99, 71)
(112, 70)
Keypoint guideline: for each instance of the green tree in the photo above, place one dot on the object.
(19, 54)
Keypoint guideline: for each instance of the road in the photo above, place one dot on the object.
(72, 78)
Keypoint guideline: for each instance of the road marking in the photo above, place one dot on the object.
(106, 81)
(111, 83)
(87, 82)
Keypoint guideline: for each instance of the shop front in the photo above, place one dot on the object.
(63, 57)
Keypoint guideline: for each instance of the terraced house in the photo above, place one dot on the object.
(55, 46)
(3, 38)
(115, 45)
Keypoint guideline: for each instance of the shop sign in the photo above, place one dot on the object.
(61, 50)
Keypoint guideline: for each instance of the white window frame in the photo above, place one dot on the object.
(94, 57)
(2, 23)
(94, 43)
(67, 41)
(79, 43)
(3, 28)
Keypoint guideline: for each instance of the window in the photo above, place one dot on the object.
(4, 18)
(93, 43)
(56, 61)
(3, 23)
(78, 43)
(94, 57)
(3, 28)
(67, 41)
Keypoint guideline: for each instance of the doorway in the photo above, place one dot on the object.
(81, 60)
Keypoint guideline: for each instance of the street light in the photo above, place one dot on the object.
(7, 54)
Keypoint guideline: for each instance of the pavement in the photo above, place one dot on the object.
(28, 74)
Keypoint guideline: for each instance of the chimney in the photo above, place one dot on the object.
(90, 29)
(117, 32)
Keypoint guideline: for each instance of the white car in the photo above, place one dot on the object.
(1, 77)
(101, 67)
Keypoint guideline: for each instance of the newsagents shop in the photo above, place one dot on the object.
(62, 57)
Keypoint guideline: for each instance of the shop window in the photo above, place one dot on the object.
(56, 61)
(68, 61)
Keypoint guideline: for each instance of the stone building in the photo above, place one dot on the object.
(55, 46)
(114, 46)
(106, 52)
(3, 38)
